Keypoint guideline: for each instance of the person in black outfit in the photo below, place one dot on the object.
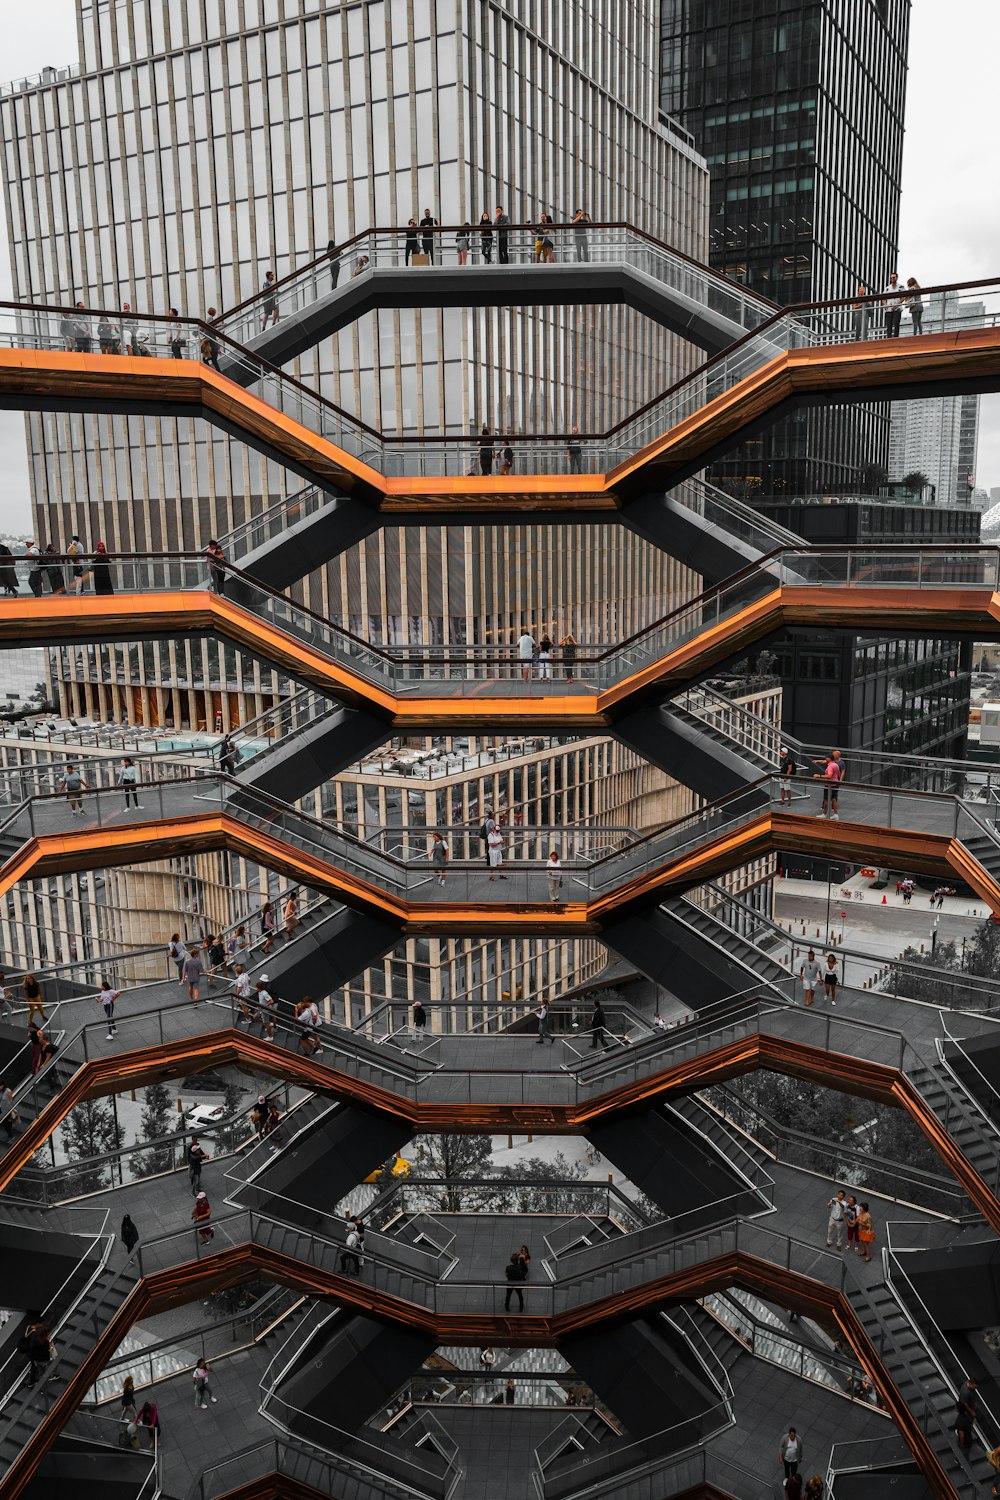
(36, 1343)
(331, 250)
(129, 1234)
(8, 570)
(411, 239)
(428, 224)
(502, 222)
(485, 451)
(598, 1022)
(486, 237)
(516, 1272)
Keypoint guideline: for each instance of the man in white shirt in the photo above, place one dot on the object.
(892, 301)
(526, 653)
(811, 975)
(837, 1221)
(242, 991)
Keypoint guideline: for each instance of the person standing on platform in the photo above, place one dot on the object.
(515, 1274)
(580, 221)
(128, 780)
(486, 238)
(196, 1159)
(502, 225)
(494, 846)
(786, 771)
(790, 1452)
(428, 224)
(835, 1223)
(553, 874)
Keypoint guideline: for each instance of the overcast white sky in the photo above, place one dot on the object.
(951, 205)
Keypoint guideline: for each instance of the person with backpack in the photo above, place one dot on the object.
(485, 829)
(177, 953)
(355, 1245)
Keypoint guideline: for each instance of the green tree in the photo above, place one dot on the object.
(454, 1157)
(915, 482)
(230, 1136)
(871, 477)
(90, 1130)
(158, 1119)
(530, 1190)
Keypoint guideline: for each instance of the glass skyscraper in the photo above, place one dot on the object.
(798, 107)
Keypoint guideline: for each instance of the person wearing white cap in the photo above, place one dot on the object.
(201, 1214)
(265, 1008)
(787, 767)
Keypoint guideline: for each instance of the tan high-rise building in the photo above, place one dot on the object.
(197, 146)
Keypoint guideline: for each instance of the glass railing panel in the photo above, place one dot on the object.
(381, 250)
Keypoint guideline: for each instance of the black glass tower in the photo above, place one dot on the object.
(798, 108)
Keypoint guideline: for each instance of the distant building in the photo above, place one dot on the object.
(798, 109)
(939, 436)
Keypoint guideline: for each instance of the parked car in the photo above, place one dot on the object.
(204, 1116)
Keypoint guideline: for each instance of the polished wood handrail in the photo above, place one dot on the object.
(189, 1281)
(758, 1050)
(972, 610)
(963, 360)
(771, 830)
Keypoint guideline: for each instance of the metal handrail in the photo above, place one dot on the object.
(215, 331)
(918, 1176)
(324, 258)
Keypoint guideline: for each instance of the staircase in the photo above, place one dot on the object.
(710, 734)
(969, 1126)
(710, 929)
(700, 755)
(74, 1338)
(916, 1377)
(983, 847)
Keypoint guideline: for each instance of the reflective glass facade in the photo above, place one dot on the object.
(798, 107)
